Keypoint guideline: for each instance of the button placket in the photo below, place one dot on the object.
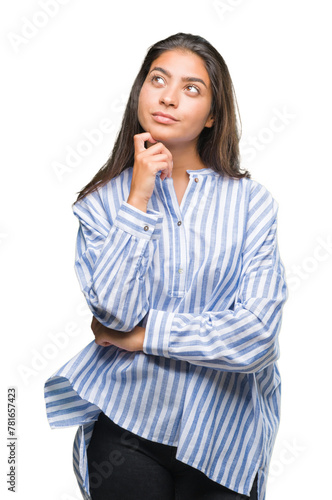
(179, 251)
(180, 278)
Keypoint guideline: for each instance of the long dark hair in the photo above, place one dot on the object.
(218, 146)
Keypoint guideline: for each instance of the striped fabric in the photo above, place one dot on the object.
(206, 280)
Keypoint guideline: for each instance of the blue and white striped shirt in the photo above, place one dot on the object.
(206, 280)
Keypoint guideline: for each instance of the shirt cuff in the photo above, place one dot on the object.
(137, 223)
(157, 333)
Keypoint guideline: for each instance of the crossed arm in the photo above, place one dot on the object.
(129, 341)
(112, 263)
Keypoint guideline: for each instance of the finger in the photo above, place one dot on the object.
(167, 171)
(159, 160)
(163, 163)
(101, 339)
(94, 325)
(156, 158)
(170, 169)
(103, 343)
(140, 139)
(160, 165)
(158, 148)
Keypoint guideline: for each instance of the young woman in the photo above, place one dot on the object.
(177, 256)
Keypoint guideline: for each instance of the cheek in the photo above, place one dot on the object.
(144, 97)
(205, 113)
(198, 116)
(141, 107)
(143, 103)
(195, 109)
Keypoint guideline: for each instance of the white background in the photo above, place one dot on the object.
(59, 81)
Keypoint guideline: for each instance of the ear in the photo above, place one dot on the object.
(209, 122)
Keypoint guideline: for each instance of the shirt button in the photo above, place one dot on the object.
(179, 223)
(180, 271)
(146, 228)
(196, 180)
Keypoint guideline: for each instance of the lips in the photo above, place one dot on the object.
(164, 117)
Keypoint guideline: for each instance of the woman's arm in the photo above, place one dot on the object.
(112, 259)
(129, 341)
(243, 338)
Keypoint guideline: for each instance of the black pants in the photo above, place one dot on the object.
(124, 466)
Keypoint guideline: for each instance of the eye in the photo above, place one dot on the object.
(193, 89)
(157, 79)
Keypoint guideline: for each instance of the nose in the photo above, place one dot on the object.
(169, 97)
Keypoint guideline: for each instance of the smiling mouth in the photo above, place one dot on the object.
(164, 118)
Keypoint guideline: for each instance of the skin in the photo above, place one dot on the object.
(130, 341)
(171, 146)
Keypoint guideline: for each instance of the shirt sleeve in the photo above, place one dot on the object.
(112, 260)
(243, 338)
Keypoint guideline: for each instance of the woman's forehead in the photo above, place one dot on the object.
(181, 62)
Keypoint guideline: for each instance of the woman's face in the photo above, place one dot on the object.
(177, 85)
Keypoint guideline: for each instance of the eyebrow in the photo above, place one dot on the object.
(184, 78)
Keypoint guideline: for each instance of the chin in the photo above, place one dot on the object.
(163, 136)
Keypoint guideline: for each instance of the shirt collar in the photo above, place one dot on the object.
(200, 171)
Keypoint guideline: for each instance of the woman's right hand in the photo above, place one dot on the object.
(148, 161)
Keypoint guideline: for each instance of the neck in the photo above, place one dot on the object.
(185, 157)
